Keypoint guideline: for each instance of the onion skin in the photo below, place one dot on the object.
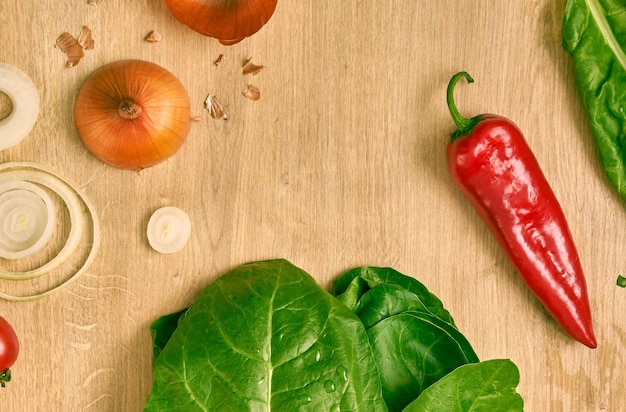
(132, 114)
(229, 21)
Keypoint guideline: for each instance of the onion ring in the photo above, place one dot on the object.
(81, 213)
(23, 94)
(27, 216)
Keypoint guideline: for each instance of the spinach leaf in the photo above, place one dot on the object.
(266, 337)
(594, 33)
(414, 339)
(488, 386)
(376, 292)
(161, 331)
(413, 350)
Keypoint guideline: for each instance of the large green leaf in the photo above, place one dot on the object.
(266, 337)
(413, 337)
(594, 33)
(488, 386)
(413, 350)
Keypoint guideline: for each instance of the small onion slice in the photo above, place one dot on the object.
(27, 219)
(82, 217)
(25, 99)
(169, 229)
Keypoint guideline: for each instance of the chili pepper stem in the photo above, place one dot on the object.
(463, 124)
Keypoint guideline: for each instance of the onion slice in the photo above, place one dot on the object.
(169, 229)
(27, 219)
(82, 218)
(23, 94)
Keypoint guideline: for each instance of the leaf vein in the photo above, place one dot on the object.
(597, 13)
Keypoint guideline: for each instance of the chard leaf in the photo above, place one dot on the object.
(488, 386)
(594, 33)
(266, 337)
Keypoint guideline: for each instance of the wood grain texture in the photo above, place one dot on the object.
(340, 163)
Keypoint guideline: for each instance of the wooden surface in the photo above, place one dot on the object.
(340, 163)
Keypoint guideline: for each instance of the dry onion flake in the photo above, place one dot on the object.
(215, 108)
(252, 92)
(251, 68)
(75, 48)
(220, 59)
(154, 37)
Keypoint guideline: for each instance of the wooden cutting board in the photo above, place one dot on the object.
(340, 163)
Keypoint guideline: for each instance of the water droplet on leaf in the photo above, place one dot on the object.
(305, 399)
(342, 372)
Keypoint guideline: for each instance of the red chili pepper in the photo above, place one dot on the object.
(490, 161)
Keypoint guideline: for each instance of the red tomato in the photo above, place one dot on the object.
(9, 348)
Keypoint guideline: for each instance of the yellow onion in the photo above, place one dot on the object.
(132, 114)
(229, 21)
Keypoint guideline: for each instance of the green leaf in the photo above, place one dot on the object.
(161, 331)
(413, 337)
(413, 350)
(621, 281)
(361, 283)
(488, 386)
(266, 337)
(353, 292)
(594, 33)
